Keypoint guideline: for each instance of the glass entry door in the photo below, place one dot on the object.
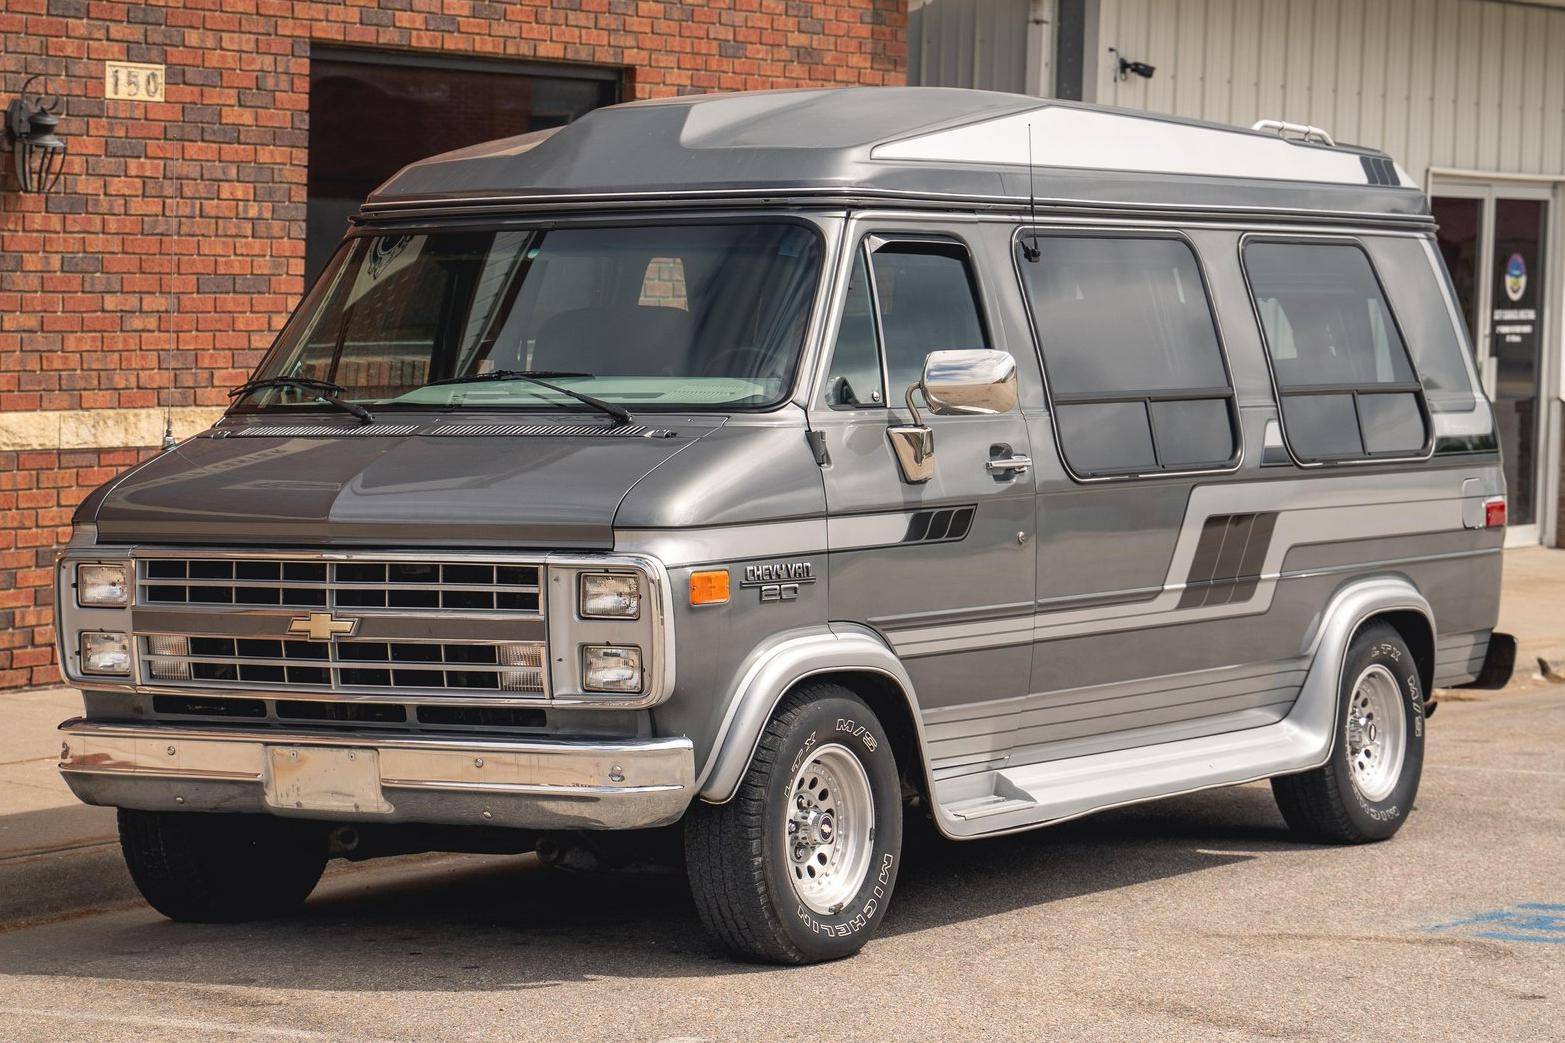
(1494, 240)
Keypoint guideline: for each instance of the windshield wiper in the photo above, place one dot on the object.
(322, 390)
(535, 376)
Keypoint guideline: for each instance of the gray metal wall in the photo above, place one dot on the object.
(968, 43)
(1455, 84)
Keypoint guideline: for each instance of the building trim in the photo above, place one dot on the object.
(55, 429)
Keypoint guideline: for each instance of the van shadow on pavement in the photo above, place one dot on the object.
(508, 923)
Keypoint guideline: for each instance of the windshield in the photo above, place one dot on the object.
(659, 316)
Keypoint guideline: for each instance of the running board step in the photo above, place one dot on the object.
(1032, 794)
(993, 804)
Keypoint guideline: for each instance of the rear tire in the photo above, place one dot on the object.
(799, 866)
(204, 868)
(1366, 790)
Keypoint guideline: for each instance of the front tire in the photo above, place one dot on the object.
(206, 868)
(799, 866)
(1366, 790)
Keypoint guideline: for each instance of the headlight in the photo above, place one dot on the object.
(105, 653)
(611, 668)
(101, 586)
(605, 596)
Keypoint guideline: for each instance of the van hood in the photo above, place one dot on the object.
(438, 484)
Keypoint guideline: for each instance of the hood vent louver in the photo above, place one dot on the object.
(315, 431)
(548, 430)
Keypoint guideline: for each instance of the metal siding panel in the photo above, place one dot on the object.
(1300, 56)
(1491, 85)
(1187, 79)
(1372, 92)
(1398, 74)
(1244, 93)
(1345, 121)
(1162, 34)
(1469, 71)
(969, 43)
(1323, 70)
(1421, 91)
(1218, 62)
(1513, 44)
(1554, 87)
(1272, 101)
(1447, 84)
(1535, 98)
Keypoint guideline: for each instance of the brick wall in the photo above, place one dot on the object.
(162, 266)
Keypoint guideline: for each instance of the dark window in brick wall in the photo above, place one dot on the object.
(372, 113)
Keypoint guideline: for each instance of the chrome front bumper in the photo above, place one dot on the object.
(531, 783)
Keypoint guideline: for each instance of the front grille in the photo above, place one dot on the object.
(453, 586)
(508, 667)
(388, 628)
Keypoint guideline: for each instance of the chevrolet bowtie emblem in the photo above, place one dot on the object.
(322, 626)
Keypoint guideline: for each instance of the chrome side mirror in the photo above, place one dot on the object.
(972, 381)
(968, 381)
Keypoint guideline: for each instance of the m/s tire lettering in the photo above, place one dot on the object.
(858, 731)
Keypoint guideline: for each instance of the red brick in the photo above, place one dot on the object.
(84, 320)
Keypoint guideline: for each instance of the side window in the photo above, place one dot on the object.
(909, 298)
(927, 302)
(854, 379)
(1137, 379)
(1412, 272)
(1347, 386)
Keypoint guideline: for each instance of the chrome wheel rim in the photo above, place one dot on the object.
(1376, 733)
(829, 829)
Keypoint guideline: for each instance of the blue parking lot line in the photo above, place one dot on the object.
(1537, 923)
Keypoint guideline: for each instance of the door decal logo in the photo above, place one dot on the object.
(1515, 277)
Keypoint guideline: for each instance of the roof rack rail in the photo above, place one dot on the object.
(1304, 131)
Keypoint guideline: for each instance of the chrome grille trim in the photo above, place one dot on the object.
(466, 628)
(452, 586)
(345, 666)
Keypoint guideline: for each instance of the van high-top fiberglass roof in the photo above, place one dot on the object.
(911, 145)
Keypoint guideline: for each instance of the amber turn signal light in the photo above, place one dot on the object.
(709, 588)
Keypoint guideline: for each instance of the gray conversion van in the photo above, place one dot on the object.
(779, 466)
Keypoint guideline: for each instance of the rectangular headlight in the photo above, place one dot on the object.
(102, 586)
(606, 596)
(105, 653)
(611, 668)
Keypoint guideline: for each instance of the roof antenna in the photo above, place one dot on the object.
(169, 441)
(1030, 250)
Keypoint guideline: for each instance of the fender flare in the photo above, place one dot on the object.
(770, 672)
(1316, 710)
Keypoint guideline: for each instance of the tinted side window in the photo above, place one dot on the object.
(1438, 344)
(927, 302)
(1136, 375)
(1342, 368)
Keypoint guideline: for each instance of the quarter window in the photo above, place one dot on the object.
(854, 380)
(910, 298)
(1137, 379)
(1348, 390)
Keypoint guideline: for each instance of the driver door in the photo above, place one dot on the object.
(944, 570)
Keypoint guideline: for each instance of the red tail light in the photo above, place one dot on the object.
(1494, 512)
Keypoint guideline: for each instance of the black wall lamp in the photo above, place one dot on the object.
(30, 122)
(1126, 66)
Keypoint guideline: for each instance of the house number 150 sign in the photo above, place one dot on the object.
(132, 81)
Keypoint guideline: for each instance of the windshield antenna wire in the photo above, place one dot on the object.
(1030, 250)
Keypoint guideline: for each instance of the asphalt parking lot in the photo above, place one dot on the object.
(1195, 918)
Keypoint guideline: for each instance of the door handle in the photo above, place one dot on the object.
(1003, 464)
